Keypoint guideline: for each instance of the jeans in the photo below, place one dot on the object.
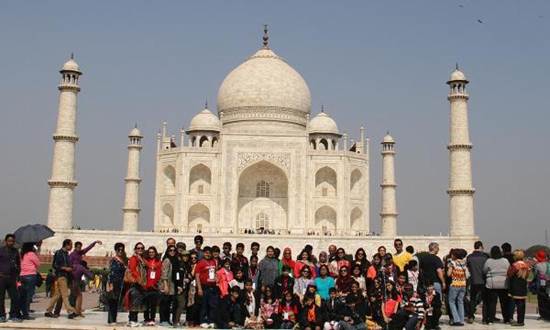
(28, 285)
(7, 283)
(209, 304)
(437, 288)
(456, 303)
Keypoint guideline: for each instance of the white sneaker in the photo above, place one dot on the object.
(212, 326)
(133, 324)
(205, 325)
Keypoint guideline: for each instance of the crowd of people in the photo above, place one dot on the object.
(20, 276)
(222, 288)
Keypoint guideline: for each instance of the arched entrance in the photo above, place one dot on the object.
(263, 194)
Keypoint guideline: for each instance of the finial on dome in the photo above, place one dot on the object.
(72, 56)
(322, 108)
(265, 37)
(456, 67)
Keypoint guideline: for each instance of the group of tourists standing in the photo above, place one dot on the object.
(20, 276)
(222, 288)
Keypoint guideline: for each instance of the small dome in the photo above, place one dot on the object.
(71, 65)
(457, 75)
(264, 80)
(322, 123)
(135, 132)
(388, 139)
(205, 121)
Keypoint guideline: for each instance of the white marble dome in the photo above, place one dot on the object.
(388, 138)
(205, 121)
(322, 123)
(70, 65)
(135, 132)
(264, 80)
(457, 75)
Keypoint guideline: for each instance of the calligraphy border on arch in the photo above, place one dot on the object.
(280, 158)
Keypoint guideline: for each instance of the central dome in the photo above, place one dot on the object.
(264, 82)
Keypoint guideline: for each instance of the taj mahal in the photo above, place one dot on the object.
(262, 167)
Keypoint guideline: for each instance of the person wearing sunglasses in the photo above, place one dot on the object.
(344, 281)
(303, 281)
(137, 278)
(115, 282)
(167, 286)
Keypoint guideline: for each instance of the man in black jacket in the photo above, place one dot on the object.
(233, 313)
(63, 273)
(10, 265)
(475, 262)
(283, 283)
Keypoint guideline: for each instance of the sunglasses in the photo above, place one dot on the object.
(172, 250)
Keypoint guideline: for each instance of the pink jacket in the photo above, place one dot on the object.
(29, 264)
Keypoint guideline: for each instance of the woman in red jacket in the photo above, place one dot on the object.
(136, 278)
(151, 289)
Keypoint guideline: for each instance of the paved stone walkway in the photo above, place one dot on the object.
(97, 320)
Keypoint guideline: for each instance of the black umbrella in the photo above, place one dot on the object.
(32, 233)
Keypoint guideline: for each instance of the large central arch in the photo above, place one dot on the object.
(263, 190)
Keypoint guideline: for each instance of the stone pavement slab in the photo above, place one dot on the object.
(98, 321)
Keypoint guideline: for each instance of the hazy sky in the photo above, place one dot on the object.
(382, 64)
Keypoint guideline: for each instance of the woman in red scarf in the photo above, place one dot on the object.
(305, 260)
(287, 258)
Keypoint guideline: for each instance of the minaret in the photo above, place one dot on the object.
(389, 204)
(131, 198)
(461, 192)
(62, 181)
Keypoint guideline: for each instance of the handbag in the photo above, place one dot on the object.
(39, 280)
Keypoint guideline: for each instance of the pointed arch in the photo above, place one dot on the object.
(323, 144)
(200, 180)
(169, 180)
(167, 214)
(326, 182)
(263, 188)
(203, 142)
(356, 218)
(198, 214)
(356, 183)
(325, 218)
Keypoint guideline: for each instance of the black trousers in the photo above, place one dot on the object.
(114, 302)
(543, 300)
(478, 293)
(167, 307)
(432, 321)
(151, 301)
(8, 283)
(492, 296)
(520, 309)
